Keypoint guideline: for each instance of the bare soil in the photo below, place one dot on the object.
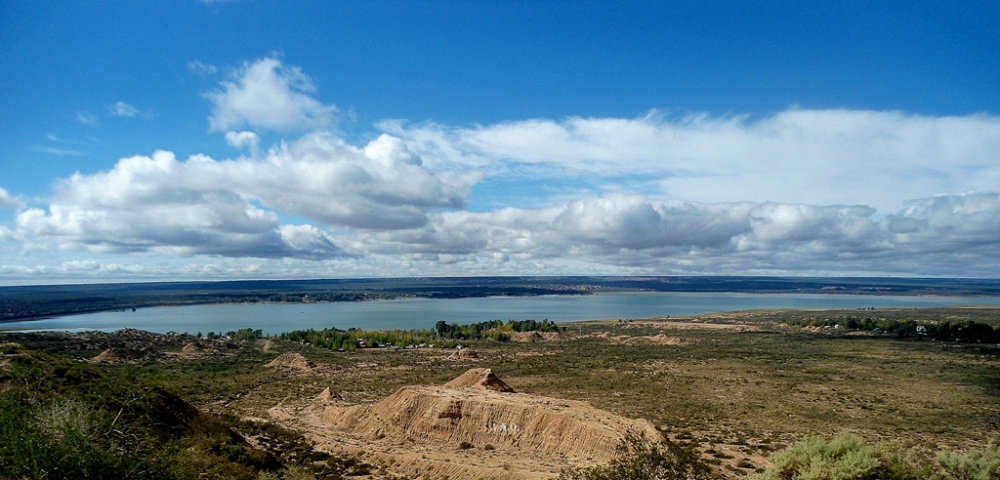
(475, 426)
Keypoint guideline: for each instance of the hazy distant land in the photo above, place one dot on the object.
(27, 302)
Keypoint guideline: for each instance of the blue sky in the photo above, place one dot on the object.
(258, 139)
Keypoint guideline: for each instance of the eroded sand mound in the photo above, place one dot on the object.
(327, 395)
(113, 355)
(420, 428)
(463, 354)
(481, 378)
(293, 362)
(660, 339)
(538, 336)
(192, 348)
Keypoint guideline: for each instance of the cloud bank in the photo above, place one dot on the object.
(231, 208)
(944, 235)
(818, 192)
(818, 157)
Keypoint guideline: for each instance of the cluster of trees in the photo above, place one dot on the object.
(329, 296)
(337, 339)
(443, 334)
(493, 329)
(967, 332)
(241, 334)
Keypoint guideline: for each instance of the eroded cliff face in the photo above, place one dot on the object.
(477, 427)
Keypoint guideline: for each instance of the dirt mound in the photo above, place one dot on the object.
(463, 354)
(192, 348)
(532, 337)
(327, 395)
(293, 362)
(660, 339)
(419, 428)
(481, 378)
(113, 355)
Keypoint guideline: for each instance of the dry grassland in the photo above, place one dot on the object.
(740, 385)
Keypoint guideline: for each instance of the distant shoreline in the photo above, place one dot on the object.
(25, 303)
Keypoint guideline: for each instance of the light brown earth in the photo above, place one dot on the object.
(473, 427)
(116, 355)
(464, 354)
(294, 363)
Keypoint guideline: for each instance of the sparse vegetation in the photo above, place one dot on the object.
(846, 457)
(61, 419)
(640, 459)
(738, 390)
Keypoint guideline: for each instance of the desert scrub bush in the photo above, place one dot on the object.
(974, 465)
(60, 419)
(63, 438)
(846, 457)
(639, 459)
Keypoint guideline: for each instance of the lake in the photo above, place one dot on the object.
(414, 313)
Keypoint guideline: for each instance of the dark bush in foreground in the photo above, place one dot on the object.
(639, 459)
(67, 420)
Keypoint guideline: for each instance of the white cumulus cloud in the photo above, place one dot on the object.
(232, 207)
(242, 139)
(267, 95)
(122, 109)
(8, 201)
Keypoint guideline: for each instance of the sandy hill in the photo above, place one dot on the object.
(464, 353)
(113, 355)
(481, 378)
(475, 426)
(294, 363)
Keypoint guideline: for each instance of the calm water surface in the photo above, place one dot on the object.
(423, 313)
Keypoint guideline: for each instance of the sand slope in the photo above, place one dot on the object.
(475, 426)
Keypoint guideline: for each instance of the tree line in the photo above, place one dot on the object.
(443, 334)
(965, 332)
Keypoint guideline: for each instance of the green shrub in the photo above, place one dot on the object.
(66, 420)
(639, 459)
(846, 457)
(66, 439)
(974, 465)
